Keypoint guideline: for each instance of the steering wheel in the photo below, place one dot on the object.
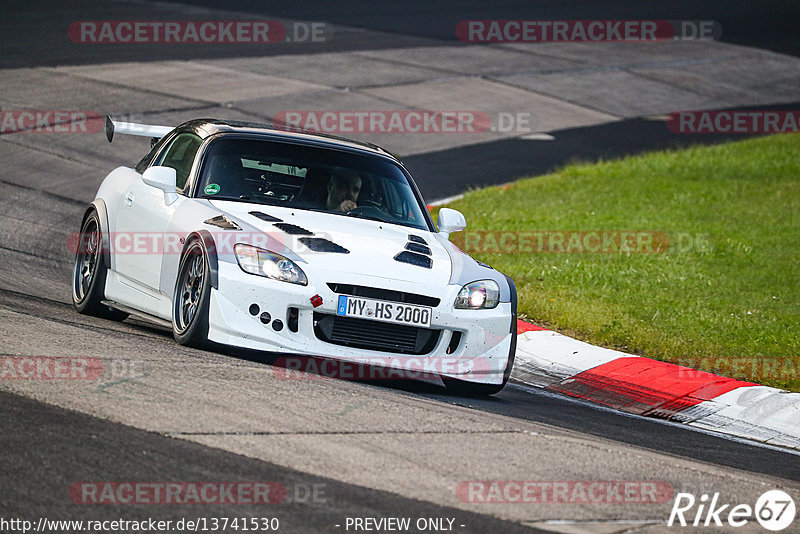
(369, 203)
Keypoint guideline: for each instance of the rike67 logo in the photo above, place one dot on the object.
(774, 510)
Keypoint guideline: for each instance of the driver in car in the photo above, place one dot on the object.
(343, 190)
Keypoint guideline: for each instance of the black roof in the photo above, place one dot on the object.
(208, 127)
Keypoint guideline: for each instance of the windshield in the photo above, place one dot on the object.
(309, 178)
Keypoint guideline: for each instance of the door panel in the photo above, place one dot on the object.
(143, 218)
(142, 222)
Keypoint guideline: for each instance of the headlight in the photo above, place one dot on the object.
(483, 294)
(264, 263)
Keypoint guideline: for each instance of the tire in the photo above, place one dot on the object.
(191, 297)
(90, 271)
(471, 389)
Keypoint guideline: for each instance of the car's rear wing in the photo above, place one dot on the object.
(132, 128)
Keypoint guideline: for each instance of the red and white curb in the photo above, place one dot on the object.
(652, 388)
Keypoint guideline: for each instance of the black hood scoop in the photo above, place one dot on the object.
(417, 252)
(416, 247)
(265, 217)
(319, 244)
(414, 258)
(293, 229)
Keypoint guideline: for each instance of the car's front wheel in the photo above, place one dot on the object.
(89, 272)
(191, 298)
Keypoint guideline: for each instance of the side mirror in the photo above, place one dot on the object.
(450, 221)
(163, 178)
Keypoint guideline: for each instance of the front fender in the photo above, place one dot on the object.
(210, 250)
(99, 206)
(464, 269)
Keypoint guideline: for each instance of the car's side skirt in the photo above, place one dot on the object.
(140, 314)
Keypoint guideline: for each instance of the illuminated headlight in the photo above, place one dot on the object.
(483, 294)
(264, 263)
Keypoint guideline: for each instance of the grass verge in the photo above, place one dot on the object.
(709, 276)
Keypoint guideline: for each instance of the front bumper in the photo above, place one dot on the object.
(480, 356)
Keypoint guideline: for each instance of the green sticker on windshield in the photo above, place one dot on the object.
(211, 189)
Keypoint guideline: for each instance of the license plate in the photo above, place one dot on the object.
(389, 312)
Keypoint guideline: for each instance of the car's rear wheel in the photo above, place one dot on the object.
(471, 389)
(90, 270)
(191, 298)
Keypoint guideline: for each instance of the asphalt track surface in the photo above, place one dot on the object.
(510, 159)
(379, 449)
(770, 24)
(98, 450)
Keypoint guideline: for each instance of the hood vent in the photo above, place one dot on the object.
(292, 229)
(416, 247)
(265, 217)
(417, 252)
(414, 258)
(319, 244)
(221, 221)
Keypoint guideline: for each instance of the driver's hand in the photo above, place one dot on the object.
(347, 205)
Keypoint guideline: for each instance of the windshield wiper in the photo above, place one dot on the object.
(243, 198)
(369, 217)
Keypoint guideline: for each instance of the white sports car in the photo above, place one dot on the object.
(243, 235)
